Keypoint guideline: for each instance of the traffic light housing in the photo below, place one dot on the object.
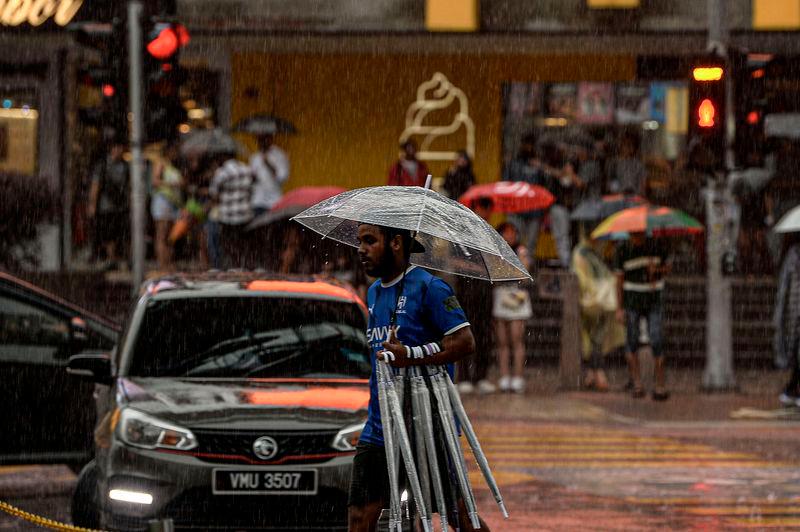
(707, 81)
(107, 79)
(163, 77)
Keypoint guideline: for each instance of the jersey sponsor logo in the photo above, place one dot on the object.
(379, 334)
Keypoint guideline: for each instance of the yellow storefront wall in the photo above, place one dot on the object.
(350, 109)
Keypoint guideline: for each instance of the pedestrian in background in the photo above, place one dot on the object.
(527, 167)
(600, 332)
(165, 202)
(270, 166)
(408, 170)
(641, 266)
(511, 310)
(231, 191)
(109, 203)
(627, 173)
(459, 176)
(786, 319)
(563, 182)
(475, 296)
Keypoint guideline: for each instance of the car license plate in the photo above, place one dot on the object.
(264, 481)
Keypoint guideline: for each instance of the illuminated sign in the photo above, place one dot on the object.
(439, 97)
(37, 12)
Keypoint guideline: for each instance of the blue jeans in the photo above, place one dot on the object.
(653, 315)
(214, 251)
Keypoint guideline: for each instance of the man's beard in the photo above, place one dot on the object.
(385, 264)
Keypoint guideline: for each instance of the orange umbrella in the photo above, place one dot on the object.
(648, 219)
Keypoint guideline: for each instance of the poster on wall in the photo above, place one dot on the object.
(633, 103)
(595, 103)
(658, 102)
(523, 99)
(562, 100)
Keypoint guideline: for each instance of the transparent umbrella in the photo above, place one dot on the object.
(454, 238)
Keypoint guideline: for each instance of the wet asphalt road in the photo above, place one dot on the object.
(581, 461)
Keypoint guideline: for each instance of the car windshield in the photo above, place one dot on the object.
(242, 337)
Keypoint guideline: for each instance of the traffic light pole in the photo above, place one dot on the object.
(718, 374)
(137, 163)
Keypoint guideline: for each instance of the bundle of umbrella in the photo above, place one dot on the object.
(420, 407)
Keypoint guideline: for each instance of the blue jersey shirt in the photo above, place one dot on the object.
(427, 311)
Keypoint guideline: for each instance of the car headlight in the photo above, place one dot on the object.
(347, 438)
(140, 430)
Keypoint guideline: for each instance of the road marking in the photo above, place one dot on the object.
(741, 488)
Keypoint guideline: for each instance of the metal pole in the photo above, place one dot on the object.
(137, 162)
(718, 374)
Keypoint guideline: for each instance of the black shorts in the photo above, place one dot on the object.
(369, 481)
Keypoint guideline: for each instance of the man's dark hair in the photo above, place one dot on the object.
(390, 232)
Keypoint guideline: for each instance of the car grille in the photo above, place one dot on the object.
(237, 446)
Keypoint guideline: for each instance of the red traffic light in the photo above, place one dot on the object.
(168, 40)
(706, 113)
(108, 90)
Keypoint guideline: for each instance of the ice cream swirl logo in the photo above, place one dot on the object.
(438, 96)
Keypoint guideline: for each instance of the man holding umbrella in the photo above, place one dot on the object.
(409, 310)
(271, 168)
(641, 265)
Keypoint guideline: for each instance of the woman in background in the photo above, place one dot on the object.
(511, 309)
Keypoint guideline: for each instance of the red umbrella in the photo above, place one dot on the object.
(294, 202)
(306, 197)
(509, 196)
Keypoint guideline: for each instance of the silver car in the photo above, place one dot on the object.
(229, 404)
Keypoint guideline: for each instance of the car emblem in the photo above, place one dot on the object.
(265, 447)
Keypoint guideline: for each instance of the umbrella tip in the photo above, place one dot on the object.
(428, 182)
(503, 509)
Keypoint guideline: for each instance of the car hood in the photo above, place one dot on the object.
(249, 404)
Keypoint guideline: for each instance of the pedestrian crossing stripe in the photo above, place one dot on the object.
(769, 522)
(524, 453)
(752, 511)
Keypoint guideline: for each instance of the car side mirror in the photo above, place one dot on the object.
(78, 334)
(91, 366)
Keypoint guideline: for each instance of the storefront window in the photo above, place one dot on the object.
(599, 121)
(19, 132)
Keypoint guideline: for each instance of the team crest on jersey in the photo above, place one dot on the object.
(401, 302)
(451, 304)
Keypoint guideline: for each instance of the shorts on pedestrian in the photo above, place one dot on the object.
(162, 209)
(369, 481)
(653, 316)
(113, 227)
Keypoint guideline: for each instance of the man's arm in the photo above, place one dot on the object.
(455, 347)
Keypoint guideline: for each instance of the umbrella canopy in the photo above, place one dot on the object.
(455, 239)
(592, 209)
(652, 220)
(294, 202)
(509, 196)
(262, 124)
(790, 222)
(209, 142)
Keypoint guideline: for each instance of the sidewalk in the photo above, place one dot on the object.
(758, 390)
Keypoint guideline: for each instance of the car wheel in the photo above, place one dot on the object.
(85, 512)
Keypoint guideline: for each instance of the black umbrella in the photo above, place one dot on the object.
(209, 142)
(263, 124)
